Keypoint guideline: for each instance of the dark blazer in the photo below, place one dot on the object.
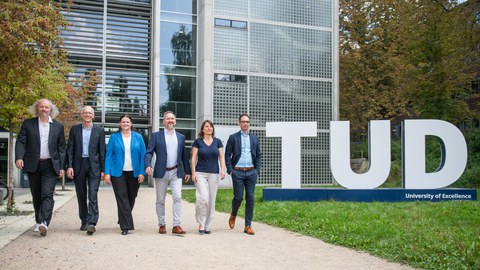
(96, 149)
(158, 146)
(27, 147)
(233, 151)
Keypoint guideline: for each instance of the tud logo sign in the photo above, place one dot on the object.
(417, 183)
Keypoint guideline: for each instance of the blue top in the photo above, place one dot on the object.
(115, 158)
(245, 160)
(207, 157)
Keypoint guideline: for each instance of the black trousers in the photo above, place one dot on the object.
(87, 183)
(42, 186)
(125, 188)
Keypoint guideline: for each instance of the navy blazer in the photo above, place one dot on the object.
(96, 149)
(27, 146)
(115, 158)
(158, 146)
(233, 151)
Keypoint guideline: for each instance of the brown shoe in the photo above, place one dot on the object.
(162, 229)
(231, 221)
(248, 230)
(178, 230)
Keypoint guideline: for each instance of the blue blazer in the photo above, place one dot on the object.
(115, 157)
(233, 151)
(158, 146)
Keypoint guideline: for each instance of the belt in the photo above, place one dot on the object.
(245, 169)
(171, 168)
(44, 159)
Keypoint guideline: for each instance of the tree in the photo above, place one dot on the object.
(441, 47)
(407, 58)
(33, 65)
(370, 62)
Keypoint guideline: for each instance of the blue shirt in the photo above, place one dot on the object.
(86, 132)
(245, 160)
(207, 155)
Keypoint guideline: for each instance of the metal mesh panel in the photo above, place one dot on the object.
(230, 48)
(271, 173)
(293, 51)
(282, 99)
(306, 12)
(238, 8)
(316, 160)
(229, 101)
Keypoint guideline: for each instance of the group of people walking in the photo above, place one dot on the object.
(42, 153)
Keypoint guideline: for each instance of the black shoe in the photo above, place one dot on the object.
(201, 231)
(208, 232)
(83, 227)
(124, 232)
(91, 229)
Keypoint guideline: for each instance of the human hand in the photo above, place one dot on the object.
(106, 177)
(141, 177)
(70, 173)
(149, 170)
(61, 174)
(222, 175)
(19, 164)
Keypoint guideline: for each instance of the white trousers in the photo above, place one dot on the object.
(161, 185)
(206, 186)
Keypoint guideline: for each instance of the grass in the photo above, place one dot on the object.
(430, 235)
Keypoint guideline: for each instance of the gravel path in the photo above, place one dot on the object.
(66, 247)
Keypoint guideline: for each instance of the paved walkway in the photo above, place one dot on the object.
(66, 247)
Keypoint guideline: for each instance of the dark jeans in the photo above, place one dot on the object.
(244, 180)
(126, 189)
(87, 209)
(42, 186)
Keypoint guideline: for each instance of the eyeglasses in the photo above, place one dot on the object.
(244, 122)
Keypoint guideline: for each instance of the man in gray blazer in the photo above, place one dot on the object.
(171, 166)
(243, 158)
(40, 152)
(86, 165)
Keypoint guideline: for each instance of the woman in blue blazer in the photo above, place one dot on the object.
(125, 169)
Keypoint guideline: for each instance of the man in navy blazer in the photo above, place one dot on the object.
(171, 166)
(86, 165)
(40, 152)
(243, 158)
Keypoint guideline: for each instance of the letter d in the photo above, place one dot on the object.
(454, 154)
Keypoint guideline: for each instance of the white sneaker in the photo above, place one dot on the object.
(43, 228)
(36, 228)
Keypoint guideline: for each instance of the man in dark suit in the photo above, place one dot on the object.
(243, 158)
(86, 165)
(171, 166)
(40, 152)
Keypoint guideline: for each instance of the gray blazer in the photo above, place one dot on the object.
(96, 149)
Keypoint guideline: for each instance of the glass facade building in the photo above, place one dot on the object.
(213, 59)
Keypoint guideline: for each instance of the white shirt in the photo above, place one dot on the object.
(172, 146)
(127, 163)
(44, 129)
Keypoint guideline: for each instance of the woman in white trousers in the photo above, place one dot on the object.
(207, 153)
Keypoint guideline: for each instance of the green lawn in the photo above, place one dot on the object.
(440, 235)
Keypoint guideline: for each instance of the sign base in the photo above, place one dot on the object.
(369, 195)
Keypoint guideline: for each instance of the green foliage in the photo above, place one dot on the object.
(471, 176)
(408, 58)
(441, 235)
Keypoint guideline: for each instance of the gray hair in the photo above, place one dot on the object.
(53, 109)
